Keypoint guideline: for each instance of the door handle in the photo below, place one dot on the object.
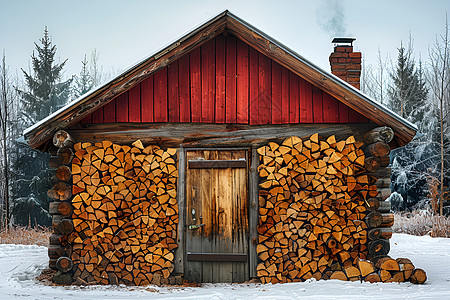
(193, 227)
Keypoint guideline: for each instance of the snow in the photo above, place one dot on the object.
(20, 264)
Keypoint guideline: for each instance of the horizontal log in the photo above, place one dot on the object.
(377, 248)
(385, 207)
(64, 264)
(60, 191)
(379, 149)
(387, 220)
(63, 173)
(62, 208)
(65, 155)
(53, 162)
(379, 134)
(216, 164)
(63, 139)
(383, 194)
(204, 135)
(381, 173)
(373, 219)
(377, 233)
(383, 182)
(216, 256)
(65, 227)
(55, 239)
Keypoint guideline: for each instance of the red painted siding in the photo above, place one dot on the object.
(225, 81)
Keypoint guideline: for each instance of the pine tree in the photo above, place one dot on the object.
(408, 94)
(84, 82)
(408, 91)
(45, 91)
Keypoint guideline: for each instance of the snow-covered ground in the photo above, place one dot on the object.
(19, 265)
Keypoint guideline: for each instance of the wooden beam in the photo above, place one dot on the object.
(216, 164)
(210, 135)
(181, 199)
(217, 256)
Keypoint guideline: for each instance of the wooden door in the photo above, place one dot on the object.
(216, 216)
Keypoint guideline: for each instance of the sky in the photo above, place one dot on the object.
(125, 32)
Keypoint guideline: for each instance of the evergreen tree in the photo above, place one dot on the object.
(408, 91)
(84, 82)
(44, 93)
(408, 97)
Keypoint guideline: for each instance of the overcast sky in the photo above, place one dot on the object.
(125, 32)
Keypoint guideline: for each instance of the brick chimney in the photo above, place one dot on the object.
(345, 63)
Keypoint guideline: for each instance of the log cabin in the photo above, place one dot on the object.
(224, 157)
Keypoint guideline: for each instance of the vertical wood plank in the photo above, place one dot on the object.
(160, 96)
(173, 97)
(356, 117)
(181, 196)
(225, 218)
(343, 113)
(240, 218)
(284, 95)
(265, 89)
(184, 89)
(242, 83)
(193, 269)
(122, 108)
(220, 79)
(196, 85)
(253, 211)
(208, 81)
(97, 116)
(147, 99)
(86, 120)
(276, 94)
(134, 104)
(317, 105)
(330, 109)
(309, 117)
(294, 98)
(253, 86)
(207, 198)
(230, 85)
(109, 112)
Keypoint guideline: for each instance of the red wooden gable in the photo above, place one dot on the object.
(225, 81)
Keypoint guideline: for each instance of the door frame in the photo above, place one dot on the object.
(253, 207)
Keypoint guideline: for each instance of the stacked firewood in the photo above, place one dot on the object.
(318, 208)
(125, 213)
(312, 202)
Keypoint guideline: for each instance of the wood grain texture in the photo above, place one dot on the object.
(217, 198)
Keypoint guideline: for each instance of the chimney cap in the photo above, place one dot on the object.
(343, 41)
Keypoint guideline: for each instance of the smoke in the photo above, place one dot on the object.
(331, 18)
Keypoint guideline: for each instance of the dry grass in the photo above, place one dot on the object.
(26, 236)
(422, 223)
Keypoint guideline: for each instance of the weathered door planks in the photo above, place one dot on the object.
(219, 198)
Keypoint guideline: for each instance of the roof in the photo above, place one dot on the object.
(41, 132)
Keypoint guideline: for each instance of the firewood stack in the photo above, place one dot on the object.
(60, 208)
(316, 205)
(125, 213)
